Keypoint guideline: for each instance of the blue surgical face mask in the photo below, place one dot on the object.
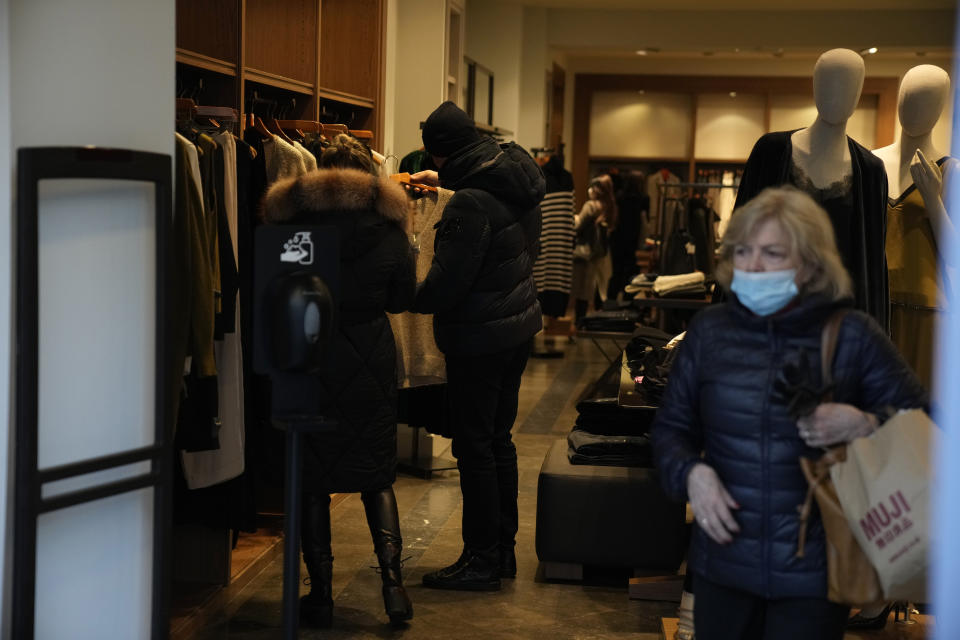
(765, 292)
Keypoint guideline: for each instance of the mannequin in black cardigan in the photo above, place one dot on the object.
(840, 174)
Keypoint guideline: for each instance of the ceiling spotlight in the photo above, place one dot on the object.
(641, 92)
(733, 94)
(641, 52)
(736, 50)
(868, 52)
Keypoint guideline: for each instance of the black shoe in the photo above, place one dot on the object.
(472, 572)
(508, 563)
(316, 611)
(875, 623)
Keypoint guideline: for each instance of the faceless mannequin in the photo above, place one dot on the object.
(923, 95)
(821, 150)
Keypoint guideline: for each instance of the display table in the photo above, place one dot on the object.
(670, 304)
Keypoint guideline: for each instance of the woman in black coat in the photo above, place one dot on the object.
(359, 389)
(724, 438)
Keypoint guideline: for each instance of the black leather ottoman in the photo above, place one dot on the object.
(605, 517)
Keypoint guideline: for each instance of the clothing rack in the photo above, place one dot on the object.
(662, 205)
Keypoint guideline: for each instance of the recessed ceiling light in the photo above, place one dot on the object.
(641, 52)
(733, 94)
(868, 52)
(736, 50)
(641, 92)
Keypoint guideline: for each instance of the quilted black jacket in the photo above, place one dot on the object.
(719, 402)
(359, 388)
(480, 286)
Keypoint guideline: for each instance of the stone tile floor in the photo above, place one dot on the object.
(527, 607)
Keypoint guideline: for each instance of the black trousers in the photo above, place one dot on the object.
(483, 392)
(723, 613)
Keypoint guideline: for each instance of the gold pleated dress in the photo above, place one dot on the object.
(915, 289)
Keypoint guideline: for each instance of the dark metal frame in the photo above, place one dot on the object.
(472, 67)
(33, 165)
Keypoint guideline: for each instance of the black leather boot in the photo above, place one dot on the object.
(384, 522)
(473, 571)
(316, 608)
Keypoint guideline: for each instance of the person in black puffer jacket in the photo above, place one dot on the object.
(358, 389)
(481, 291)
(724, 438)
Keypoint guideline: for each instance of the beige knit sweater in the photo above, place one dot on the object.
(419, 360)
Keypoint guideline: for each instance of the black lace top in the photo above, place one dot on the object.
(837, 199)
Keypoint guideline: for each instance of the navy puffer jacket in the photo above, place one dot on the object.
(480, 285)
(720, 402)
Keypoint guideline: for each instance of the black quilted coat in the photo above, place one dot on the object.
(480, 285)
(720, 401)
(376, 276)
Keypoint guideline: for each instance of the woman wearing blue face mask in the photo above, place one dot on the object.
(725, 440)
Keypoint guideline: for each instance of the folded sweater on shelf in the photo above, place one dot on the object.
(666, 284)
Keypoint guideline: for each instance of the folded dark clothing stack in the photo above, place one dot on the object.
(611, 451)
(604, 417)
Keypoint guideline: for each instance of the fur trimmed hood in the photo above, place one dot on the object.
(331, 190)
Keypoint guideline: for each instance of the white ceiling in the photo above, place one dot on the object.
(742, 5)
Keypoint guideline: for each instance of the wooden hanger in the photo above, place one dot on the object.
(254, 122)
(404, 179)
(361, 134)
(274, 127)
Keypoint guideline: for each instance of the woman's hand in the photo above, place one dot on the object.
(712, 504)
(833, 422)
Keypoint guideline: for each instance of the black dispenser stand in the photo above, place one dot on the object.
(295, 427)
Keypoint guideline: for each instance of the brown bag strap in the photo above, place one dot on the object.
(828, 349)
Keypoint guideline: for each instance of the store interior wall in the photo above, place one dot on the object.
(495, 39)
(109, 81)
(801, 65)
(536, 63)
(6, 265)
(417, 46)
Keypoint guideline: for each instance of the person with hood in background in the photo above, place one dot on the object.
(481, 291)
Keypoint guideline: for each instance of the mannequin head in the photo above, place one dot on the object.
(837, 82)
(923, 94)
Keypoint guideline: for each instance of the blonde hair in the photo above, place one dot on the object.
(346, 152)
(810, 235)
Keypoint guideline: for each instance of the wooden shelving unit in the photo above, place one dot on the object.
(318, 55)
(206, 63)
